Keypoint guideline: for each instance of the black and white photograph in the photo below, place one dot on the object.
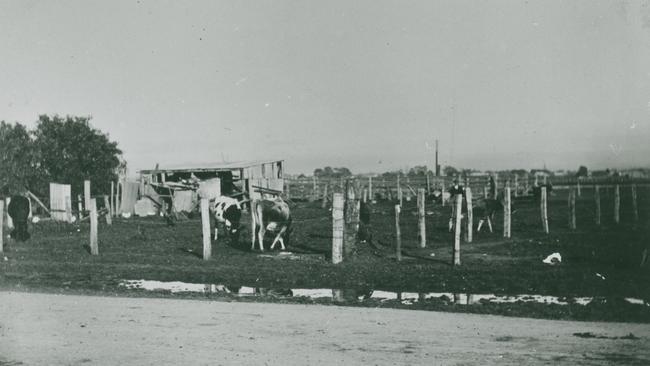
(360, 182)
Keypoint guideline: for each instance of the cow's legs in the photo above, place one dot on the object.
(279, 238)
(489, 223)
(480, 223)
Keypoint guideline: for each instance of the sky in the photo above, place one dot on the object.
(369, 85)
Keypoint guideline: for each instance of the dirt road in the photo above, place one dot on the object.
(46, 329)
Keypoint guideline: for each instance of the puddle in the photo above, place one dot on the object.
(339, 295)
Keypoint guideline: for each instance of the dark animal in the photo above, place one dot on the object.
(485, 209)
(227, 212)
(19, 211)
(270, 215)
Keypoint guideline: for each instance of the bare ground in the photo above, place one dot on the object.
(47, 329)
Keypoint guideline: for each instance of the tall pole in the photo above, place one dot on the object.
(437, 166)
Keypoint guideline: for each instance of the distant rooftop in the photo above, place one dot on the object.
(221, 166)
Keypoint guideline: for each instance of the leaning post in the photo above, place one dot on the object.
(87, 194)
(470, 214)
(324, 201)
(107, 203)
(544, 210)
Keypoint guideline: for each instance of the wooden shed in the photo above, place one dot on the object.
(237, 178)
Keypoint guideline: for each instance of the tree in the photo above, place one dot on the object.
(582, 171)
(329, 172)
(449, 171)
(418, 170)
(19, 168)
(71, 150)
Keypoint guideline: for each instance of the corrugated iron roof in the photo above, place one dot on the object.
(222, 166)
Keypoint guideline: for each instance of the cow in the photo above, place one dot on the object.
(226, 211)
(18, 210)
(485, 209)
(270, 215)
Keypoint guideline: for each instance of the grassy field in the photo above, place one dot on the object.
(602, 262)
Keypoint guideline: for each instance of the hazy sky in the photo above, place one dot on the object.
(365, 84)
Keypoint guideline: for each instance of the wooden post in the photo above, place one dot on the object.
(398, 235)
(443, 191)
(579, 191)
(112, 199)
(365, 195)
(352, 206)
(516, 185)
(86, 194)
(337, 228)
(421, 217)
(496, 186)
(107, 203)
(470, 214)
(507, 219)
(2, 225)
(324, 203)
(370, 196)
(314, 195)
(544, 210)
(399, 191)
(572, 209)
(205, 223)
(68, 209)
(617, 204)
(428, 182)
(459, 213)
(94, 248)
(80, 206)
(635, 209)
(597, 199)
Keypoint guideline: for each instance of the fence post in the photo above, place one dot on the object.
(442, 185)
(112, 207)
(617, 204)
(399, 191)
(506, 213)
(459, 212)
(421, 217)
(352, 206)
(80, 206)
(597, 199)
(2, 225)
(68, 209)
(428, 181)
(398, 235)
(544, 210)
(94, 248)
(205, 224)
(370, 196)
(314, 194)
(324, 203)
(87, 194)
(572, 209)
(516, 185)
(470, 214)
(107, 203)
(579, 191)
(337, 228)
(635, 209)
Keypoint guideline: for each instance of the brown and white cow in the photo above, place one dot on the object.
(270, 215)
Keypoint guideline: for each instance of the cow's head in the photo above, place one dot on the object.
(232, 217)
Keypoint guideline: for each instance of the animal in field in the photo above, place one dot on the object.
(226, 211)
(18, 210)
(485, 209)
(271, 215)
